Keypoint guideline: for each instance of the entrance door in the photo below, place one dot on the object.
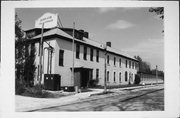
(84, 77)
(77, 78)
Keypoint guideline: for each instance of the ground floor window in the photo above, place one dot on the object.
(61, 57)
(120, 77)
(114, 76)
(97, 73)
(126, 74)
(107, 76)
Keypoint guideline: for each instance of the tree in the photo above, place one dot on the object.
(143, 66)
(24, 56)
(29, 66)
(19, 49)
(158, 10)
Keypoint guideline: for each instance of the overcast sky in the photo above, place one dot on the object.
(134, 30)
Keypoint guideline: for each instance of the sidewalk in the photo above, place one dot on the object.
(29, 103)
(24, 103)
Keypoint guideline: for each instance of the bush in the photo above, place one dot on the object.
(19, 87)
(137, 79)
(93, 83)
(36, 91)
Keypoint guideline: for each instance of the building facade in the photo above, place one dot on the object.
(89, 59)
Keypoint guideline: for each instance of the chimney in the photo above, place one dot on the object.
(86, 34)
(108, 44)
(82, 31)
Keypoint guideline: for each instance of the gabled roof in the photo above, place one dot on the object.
(52, 32)
(57, 31)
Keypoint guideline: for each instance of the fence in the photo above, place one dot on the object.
(150, 79)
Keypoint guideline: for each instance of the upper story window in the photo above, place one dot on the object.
(133, 65)
(129, 64)
(107, 59)
(136, 65)
(114, 61)
(61, 57)
(119, 62)
(97, 55)
(85, 53)
(77, 51)
(126, 63)
(91, 54)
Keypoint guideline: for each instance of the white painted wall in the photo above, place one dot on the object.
(44, 60)
(65, 70)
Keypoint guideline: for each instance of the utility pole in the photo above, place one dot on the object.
(156, 74)
(105, 69)
(72, 74)
(41, 53)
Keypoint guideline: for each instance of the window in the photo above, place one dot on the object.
(119, 62)
(77, 50)
(85, 53)
(133, 65)
(120, 77)
(126, 63)
(126, 76)
(129, 64)
(38, 73)
(129, 77)
(114, 76)
(91, 75)
(107, 76)
(97, 73)
(114, 61)
(108, 59)
(39, 49)
(136, 65)
(132, 77)
(97, 55)
(61, 57)
(91, 54)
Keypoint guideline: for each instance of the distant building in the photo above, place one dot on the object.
(89, 59)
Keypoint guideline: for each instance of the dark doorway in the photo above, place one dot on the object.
(82, 77)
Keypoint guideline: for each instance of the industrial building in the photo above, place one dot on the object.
(89, 59)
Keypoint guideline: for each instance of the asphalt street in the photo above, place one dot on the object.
(148, 99)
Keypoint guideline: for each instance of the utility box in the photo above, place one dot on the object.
(52, 82)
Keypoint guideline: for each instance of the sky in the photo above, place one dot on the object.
(134, 30)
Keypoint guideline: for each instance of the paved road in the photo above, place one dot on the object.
(130, 100)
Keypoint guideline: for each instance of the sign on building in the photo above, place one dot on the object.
(50, 20)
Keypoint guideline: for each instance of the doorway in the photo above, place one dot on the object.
(82, 77)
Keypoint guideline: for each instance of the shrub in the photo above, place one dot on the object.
(36, 91)
(137, 79)
(19, 87)
(93, 83)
